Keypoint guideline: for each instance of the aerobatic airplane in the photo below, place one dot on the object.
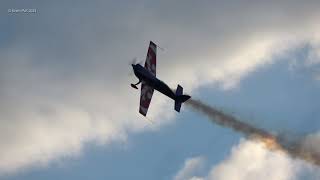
(147, 76)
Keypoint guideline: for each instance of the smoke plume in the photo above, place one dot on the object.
(306, 148)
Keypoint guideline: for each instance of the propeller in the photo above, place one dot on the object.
(133, 61)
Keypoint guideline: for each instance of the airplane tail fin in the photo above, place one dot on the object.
(180, 98)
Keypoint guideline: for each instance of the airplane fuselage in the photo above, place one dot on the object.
(145, 76)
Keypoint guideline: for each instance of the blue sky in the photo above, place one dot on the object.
(68, 112)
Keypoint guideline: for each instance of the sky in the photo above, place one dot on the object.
(67, 110)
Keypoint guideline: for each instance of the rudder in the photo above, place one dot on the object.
(180, 98)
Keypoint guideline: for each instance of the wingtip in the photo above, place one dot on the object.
(151, 42)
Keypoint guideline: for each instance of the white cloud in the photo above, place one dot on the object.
(312, 62)
(311, 143)
(250, 160)
(191, 167)
(314, 56)
(63, 76)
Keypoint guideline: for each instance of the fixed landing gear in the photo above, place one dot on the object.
(135, 85)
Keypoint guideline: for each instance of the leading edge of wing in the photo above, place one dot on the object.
(151, 59)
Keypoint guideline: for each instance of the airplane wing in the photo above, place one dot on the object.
(145, 98)
(151, 60)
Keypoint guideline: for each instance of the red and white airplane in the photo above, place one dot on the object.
(147, 75)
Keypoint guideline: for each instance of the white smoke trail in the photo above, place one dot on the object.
(306, 148)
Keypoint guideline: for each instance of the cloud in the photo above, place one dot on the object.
(311, 143)
(251, 160)
(312, 62)
(191, 167)
(64, 75)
